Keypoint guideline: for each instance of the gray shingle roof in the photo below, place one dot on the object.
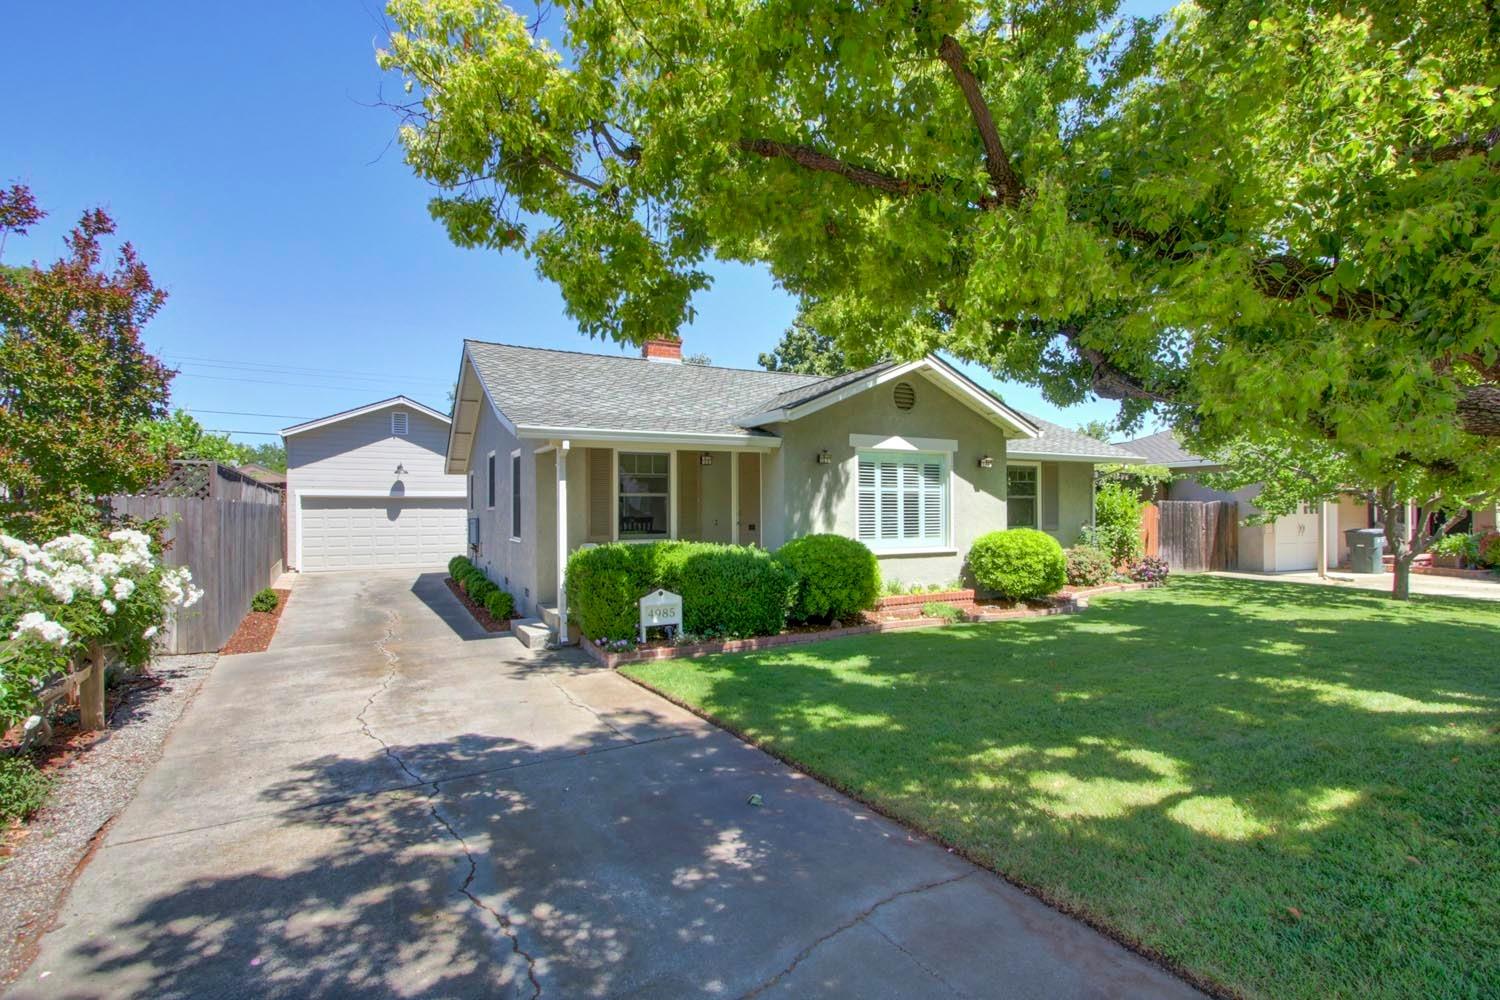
(1057, 441)
(806, 393)
(1163, 448)
(623, 393)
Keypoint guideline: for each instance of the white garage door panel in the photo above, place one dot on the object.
(359, 533)
(1297, 540)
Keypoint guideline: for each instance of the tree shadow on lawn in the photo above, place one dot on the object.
(1290, 790)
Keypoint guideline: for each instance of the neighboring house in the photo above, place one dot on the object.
(912, 458)
(366, 489)
(1286, 544)
(261, 474)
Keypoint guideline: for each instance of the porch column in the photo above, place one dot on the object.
(1322, 539)
(734, 498)
(562, 542)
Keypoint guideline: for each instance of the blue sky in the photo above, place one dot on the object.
(239, 153)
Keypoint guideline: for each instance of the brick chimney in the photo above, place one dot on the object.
(667, 350)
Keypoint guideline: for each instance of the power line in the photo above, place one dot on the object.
(297, 385)
(225, 430)
(244, 413)
(290, 369)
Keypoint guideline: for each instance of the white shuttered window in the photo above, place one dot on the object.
(903, 499)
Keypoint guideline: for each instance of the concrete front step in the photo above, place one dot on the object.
(549, 615)
(533, 633)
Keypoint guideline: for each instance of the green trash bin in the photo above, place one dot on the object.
(1366, 549)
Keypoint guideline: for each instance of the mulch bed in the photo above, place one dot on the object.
(486, 621)
(258, 628)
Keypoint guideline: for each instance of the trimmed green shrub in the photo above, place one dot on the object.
(1021, 564)
(1117, 522)
(265, 599)
(942, 609)
(838, 577)
(23, 788)
(727, 590)
(499, 604)
(1089, 566)
(455, 563)
(1489, 549)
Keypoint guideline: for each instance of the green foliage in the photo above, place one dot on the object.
(76, 381)
(1489, 550)
(838, 577)
(1021, 564)
(1099, 430)
(805, 351)
(1459, 545)
(23, 788)
(1089, 566)
(456, 564)
(1265, 216)
(182, 436)
(271, 455)
(942, 609)
(500, 604)
(264, 600)
(727, 590)
(1117, 522)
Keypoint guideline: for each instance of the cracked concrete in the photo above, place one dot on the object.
(389, 801)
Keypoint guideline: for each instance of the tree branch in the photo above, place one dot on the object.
(630, 153)
(1109, 380)
(812, 159)
(1287, 278)
(1003, 176)
(1479, 410)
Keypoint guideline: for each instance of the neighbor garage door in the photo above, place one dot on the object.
(1297, 540)
(357, 533)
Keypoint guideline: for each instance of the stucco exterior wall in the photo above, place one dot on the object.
(803, 496)
(360, 456)
(1069, 486)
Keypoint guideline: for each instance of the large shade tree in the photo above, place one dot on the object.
(76, 381)
(1244, 213)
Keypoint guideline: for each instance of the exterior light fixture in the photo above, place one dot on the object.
(400, 469)
(705, 459)
(986, 462)
(824, 457)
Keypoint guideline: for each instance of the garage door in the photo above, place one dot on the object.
(357, 533)
(1297, 540)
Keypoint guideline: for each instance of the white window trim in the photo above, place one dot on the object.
(875, 442)
(1037, 500)
(880, 547)
(515, 493)
(672, 491)
(489, 482)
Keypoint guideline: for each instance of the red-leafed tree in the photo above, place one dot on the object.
(76, 383)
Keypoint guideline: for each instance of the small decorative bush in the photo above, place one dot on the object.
(1089, 566)
(604, 585)
(264, 600)
(23, 788)
(1117, 522)
(1021, 564)
(1488, 548)
(1149, 570)
(942, 609)
(499, 604)
(1463, 548)
(838, 577)
(456, 563)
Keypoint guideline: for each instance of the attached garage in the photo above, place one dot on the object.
(367, 489)
(1296, 540)
(372, 533)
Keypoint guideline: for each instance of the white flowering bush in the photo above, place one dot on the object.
(61, 599)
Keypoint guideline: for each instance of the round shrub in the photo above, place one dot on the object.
(1149, 570)
(1088, 566)
(838, 577)
(264, 600)
(733, 591)
(455, 563)
(1021, 564)
(499, 604)
(605, 583)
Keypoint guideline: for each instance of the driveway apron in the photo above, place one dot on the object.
(390, 802)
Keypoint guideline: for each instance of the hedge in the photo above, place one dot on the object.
(1020, 564)
(838, 577)
(727, 590)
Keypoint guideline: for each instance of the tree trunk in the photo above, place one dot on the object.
(91, 693)
(1398, 543)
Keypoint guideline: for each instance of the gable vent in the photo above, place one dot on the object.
(905, 396)
(398, 422)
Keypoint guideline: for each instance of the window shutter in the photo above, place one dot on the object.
(902, 499)
(515, 496)
(1048, 498)
(890, 500)
(868, 500)
(932, 501)
(599, 469)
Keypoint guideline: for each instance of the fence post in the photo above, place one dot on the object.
(91, 692)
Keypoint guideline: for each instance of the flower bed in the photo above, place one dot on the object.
(257, 629)
(486, 621)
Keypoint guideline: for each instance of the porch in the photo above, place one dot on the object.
(636, 491)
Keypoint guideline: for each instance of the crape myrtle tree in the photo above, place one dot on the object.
(76, 383)
(1244, 215)
(1291, 471)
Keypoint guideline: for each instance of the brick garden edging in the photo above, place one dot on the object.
(894, 601)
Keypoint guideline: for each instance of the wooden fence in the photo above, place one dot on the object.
(233, 548)
(1193, 536)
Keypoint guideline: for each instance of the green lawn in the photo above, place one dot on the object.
(1287, 790)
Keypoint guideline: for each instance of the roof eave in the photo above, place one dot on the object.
(359, 411)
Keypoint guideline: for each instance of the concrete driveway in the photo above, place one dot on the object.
(388, 802)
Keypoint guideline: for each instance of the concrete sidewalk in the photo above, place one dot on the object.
(1434, 586)
(388, 802)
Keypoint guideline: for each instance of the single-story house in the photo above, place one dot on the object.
(563, 449)
(366, 489)
(1288, 543)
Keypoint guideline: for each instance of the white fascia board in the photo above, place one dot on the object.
(457, 465)
(895, 442)
(583, 434)
(1038, 456)
(955, 383)
(360, 411)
